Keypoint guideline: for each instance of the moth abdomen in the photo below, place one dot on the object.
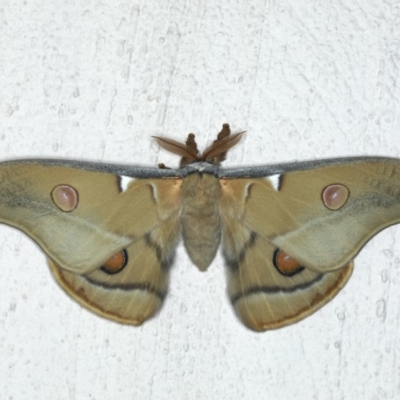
(200, 219)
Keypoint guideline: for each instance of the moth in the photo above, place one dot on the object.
(288, 232)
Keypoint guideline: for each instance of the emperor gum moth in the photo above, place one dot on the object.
(288, 232)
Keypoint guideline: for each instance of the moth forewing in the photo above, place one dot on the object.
(103, 221)
(317, 235)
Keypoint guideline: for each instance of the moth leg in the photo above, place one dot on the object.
(130, 288)
(267, 289)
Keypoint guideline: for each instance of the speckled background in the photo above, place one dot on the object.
(93, 81)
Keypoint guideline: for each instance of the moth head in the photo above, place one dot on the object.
(213, 154)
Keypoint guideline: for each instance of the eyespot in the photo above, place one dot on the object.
(335, 196)
(65, 197)
(285, 264)
(116, 263)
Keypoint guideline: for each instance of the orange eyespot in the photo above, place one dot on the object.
(116, 263)
(335, 196)
(285, 264)
(65, 197)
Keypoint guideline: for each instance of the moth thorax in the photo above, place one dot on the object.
(201, 225)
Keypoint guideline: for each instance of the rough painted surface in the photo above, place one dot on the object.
(93, 81)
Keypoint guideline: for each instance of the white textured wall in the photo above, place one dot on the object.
(94, 80)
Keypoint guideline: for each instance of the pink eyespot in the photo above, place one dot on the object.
(335, 196)
(65, 197)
